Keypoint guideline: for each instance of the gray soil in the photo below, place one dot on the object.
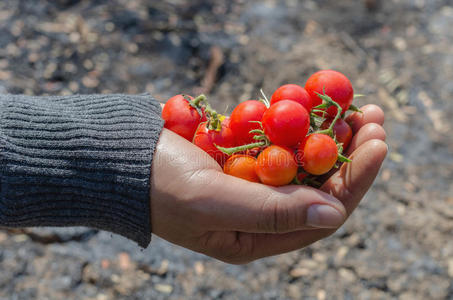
(399, 242)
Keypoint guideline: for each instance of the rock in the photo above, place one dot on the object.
(164, 288)
(347, 275)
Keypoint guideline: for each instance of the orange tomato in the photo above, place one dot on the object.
(276, 166)
(241, 166)
(319, 154)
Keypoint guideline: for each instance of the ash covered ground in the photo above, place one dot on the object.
(399, 242)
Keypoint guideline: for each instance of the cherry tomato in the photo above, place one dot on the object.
(293, 92)
(242, 166)
(181, 118)
(276, 166)
(241, 116)
(286, 123)
(207, 140)
(319, 154)
(342, 131)
(336, 85)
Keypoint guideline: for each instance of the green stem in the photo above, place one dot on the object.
(260, 137)
(196, 102)
(330, 102)
(343, 158)
(319, 111)
(231, 151)
(259, 131)
(327, 131)
(355, 108)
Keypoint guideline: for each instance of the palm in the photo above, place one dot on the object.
(196, 206)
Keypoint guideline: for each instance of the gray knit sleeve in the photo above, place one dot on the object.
(78, 161)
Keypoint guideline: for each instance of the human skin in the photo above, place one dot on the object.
(195, 205)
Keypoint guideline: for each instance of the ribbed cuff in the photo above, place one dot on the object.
(81, 160)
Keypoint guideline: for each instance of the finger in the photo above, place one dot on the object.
(257, 208)
(354, 179)
(370, 114)
(350, 185)
(370, 131)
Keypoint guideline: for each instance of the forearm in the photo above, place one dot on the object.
(78, 161)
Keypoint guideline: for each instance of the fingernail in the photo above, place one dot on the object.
(324, 216)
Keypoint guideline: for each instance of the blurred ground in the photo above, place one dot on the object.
(397, 245)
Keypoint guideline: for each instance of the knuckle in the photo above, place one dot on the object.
(231, 247)
(225, 247)
(244, 252)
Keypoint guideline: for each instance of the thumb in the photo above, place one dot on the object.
(239, 205)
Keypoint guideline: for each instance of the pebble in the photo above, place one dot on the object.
(300, 272)
(199, 267)
(321, 295)
(90, 82)
(341, 254)
(163, 288)
(308, 263)
(163, 269)
(347, 275)
(124, 261)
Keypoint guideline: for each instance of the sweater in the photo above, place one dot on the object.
(82, 160)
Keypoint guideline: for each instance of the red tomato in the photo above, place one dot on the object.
(342, 131)
(336, 85)
(276, 166)
(293, 92)
(241, 116)
(181, 118)
(286, 123)
(208, 139)
(242, 166)
(320, 153)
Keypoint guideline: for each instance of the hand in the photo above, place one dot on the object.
(195, 205)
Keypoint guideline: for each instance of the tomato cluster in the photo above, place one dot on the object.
(297, 136)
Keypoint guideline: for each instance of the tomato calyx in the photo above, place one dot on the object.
(198, 103)
(260, 137)
(329, 102)
(214, 118)
(202, 105)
